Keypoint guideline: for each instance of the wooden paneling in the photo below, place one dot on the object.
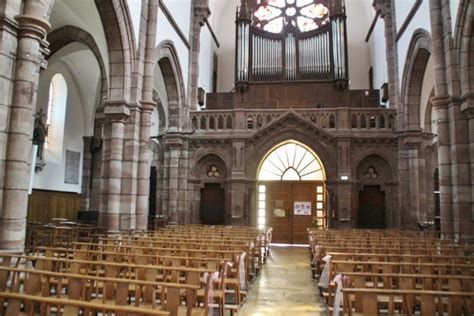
(303, 192)
(45, 205)
(290, 228)
(279, 196)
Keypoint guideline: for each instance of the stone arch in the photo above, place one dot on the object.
(202, 166)
(168, 61)
(418, 54)
(374, 177)
(205, 152)
(465, 44)
(382, 167)
(117, 24)
(68, 34)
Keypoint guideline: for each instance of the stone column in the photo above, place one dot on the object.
(8, 35)
(467, 225)
(440, 103)
(33, 28)
(184, 213)
(344, 189)
(146, 108)
(174, 146)
(116, 114)
(444, 166)
(143, 185)
(86, 173)
(200, 12)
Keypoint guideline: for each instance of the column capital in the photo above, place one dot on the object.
(381, 7)
(147, 106)
(201, 11)
(116, 111)
(440, 102)
(32, 26)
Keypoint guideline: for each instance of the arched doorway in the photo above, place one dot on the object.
(291, 192)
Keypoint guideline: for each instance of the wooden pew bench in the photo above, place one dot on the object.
(411, 302)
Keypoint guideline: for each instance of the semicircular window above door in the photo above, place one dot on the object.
(291, 161)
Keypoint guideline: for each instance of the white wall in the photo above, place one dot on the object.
(82, 14)
(52, 176)
(223, 22)
(420, 20)
(206, 60)
(135, 8)
(166, 32)
(359, 17)
(426, 88)
(378, 55)
(160, 87)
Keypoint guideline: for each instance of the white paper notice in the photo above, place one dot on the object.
(302, 208)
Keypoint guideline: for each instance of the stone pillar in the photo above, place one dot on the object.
(460, 173)
(184, 213)
(387, 12)
(147, 107)
(444, 166)
(237, 185)
(467, 228)
(8, 36)
(174, 146)
(87, 166)
(344, 189)
(129, 169)
(116, 114)
(143, 185)
(33, 28)
(200, 12)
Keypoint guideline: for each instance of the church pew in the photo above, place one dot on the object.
(69, 307)
(94, 288)
(406, 302)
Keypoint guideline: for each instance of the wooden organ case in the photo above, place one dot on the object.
(291, 40)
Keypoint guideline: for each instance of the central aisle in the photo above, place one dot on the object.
(285, 286)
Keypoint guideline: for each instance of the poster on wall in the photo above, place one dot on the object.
(302, 208)
(73, 161)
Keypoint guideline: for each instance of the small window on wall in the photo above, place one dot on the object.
(56, 116)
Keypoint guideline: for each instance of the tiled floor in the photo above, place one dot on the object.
(285, 287)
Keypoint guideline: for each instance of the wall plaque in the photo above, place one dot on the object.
(73, 162)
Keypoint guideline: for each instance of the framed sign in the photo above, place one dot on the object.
(279, 212)
(302, 208)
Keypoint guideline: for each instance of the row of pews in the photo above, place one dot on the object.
(391, 272)
(181, 270)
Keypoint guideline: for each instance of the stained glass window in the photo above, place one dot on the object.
(305, 15)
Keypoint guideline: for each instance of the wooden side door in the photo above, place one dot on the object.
(278, 210)
(372, 207)
(305, 195)
(213, 204)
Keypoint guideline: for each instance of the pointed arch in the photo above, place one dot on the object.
(419, 52)
(68, 34)
(117, 24)
(465, 45)
(170, 66)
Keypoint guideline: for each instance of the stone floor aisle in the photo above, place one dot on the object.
(285, 287)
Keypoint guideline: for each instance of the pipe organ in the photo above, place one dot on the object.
(291, 54)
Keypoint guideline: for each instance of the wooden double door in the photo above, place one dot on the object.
(291, 208)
